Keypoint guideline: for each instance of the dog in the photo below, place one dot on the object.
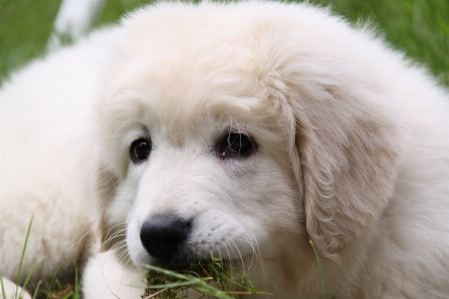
(243, 131)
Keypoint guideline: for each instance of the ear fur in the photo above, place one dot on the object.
(105, 185)
(348, 147)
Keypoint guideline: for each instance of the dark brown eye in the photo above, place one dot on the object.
(236, 145)
(140, 150)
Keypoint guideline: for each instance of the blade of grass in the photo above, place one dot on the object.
(323, 283)
(27, 280)
(54, 281)
(3, 286)
(210, 278)
(23, 254)
(76, 288)
(172, 285)
(154, 294)
(198, 284)
(68, 295)
(36, 291)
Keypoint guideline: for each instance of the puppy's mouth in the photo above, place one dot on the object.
(184, 260)
(167, 240)
(177, 264)
(193, 265)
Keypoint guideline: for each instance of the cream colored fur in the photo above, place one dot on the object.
(45, 120)
(351, 152)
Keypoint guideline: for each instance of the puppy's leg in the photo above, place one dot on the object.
(105, 278)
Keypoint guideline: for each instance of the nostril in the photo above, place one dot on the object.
(162, 236)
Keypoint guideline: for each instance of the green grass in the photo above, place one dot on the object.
(25, 26)
(19, 294)
(418, 27)
(51, 289)
(320, 268)
(213, 278)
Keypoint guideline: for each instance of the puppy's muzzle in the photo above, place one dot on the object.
(164, 237)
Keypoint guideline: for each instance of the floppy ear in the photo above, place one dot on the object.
(105, 187)
(348, 146)
(110, 164)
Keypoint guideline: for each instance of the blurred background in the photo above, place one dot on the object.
(418, 27)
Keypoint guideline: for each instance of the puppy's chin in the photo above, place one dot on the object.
(187, 256)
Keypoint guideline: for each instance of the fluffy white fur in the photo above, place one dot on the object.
(351, 152)
(46, 116)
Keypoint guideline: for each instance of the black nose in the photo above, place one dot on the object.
(163, 235)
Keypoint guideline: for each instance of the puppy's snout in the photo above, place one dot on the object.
(163, 236)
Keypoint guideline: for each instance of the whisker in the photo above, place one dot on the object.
(77, 243)
(250, 243)
(112, 228)
(259, 259)
(239, 254)
(116, 234)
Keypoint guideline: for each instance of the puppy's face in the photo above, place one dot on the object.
(201, 166)
(242, 145)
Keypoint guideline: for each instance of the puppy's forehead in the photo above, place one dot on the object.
(181, 94)
(189, 64)
(184, 65)
(184, 74)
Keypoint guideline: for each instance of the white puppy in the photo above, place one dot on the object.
(243, 131)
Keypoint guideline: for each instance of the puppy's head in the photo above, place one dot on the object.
(229, 133)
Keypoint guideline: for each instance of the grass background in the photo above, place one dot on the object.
(418, 27)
